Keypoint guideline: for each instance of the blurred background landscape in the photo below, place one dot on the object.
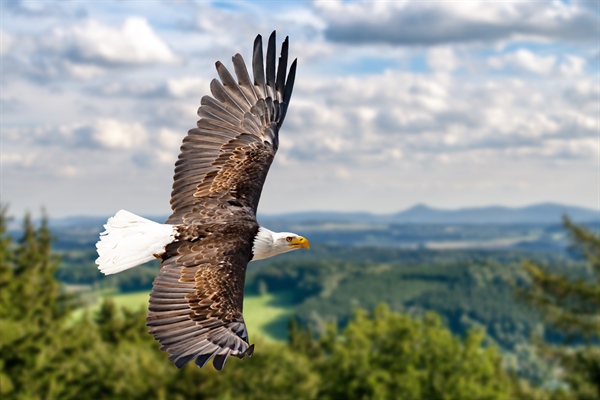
(441, 157)
(475, 280)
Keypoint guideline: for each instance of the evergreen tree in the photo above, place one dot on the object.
(572, 305)
(32, 307)
(46, 356)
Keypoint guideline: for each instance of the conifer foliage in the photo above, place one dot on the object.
(571, 305)
(32, 308)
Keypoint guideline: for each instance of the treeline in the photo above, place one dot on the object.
(77, 265)
(378, 355)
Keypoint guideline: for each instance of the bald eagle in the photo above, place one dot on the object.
(195, 308)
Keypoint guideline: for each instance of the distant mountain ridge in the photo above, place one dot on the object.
(543, 213)
(537, 213)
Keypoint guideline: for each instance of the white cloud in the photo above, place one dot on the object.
(68, 171)
(584, 92)
(80, 71)
(186, 87)
(112, 134)
(135, 42)
(7, 159)
(103, 133)
(168, 145)
(6, 42)
(432, 23)
(572, 66)
(127, 88)
(88, 49)
(414, 118)
(524, 60)
(442, 59)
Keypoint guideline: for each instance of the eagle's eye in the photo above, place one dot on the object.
(288, 239)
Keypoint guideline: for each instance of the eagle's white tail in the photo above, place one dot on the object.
(130, 240)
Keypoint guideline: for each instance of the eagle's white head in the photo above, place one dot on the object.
(268, 243)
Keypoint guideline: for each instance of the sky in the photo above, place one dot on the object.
(449, 103)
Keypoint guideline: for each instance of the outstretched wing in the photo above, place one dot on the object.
(196, 302)
(228, 155)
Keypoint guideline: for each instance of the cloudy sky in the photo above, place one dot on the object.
(449, 103)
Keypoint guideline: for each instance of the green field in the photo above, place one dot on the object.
(266, 315)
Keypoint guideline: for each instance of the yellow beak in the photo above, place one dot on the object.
(299, 243)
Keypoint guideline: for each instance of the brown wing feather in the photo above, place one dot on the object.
(242, 165)
(228, 155)
(196, 302)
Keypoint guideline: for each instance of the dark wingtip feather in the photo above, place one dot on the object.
(273, 41)
(289, 84)
(258, 69)
(287, 95)
(250, 351)
(201, 360)
(271, 49)
(182, 361)
(282, 69)
(219, 361)
(258, 41)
